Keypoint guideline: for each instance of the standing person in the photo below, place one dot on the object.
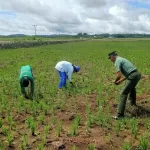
(131, 75)
(26, 79)
(65, 70)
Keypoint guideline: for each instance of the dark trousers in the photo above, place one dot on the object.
(130, 90)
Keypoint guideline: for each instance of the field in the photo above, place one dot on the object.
(76, 118)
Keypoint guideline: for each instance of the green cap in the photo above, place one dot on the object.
(114, 53)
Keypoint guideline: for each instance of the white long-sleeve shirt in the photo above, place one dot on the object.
(65, 66)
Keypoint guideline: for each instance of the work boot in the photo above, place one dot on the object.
(133, 104)
(118, 117)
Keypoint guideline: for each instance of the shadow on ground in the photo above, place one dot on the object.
(139, 111)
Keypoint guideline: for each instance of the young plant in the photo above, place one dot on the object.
(101, 120)
(46, 109)
(32, 125)
(98, 100)
(91, 147)
(9, 138)
(77, 120)
(124, 122)
(1, 123)
(143, 143)
(87, 109)
(28, 121)
(126, 146)
(46, 129)
(58, 129)
(34, 108)
(148, 125)
(74, 147)
(20, 105)
(1, 145)
(5, 131)
(75, 125)
(134, 127)
(41, 119)
(53, 119)
(73, 129)
(40, 147)
(10, 121)
(90, 121)
(24, 142)
(43, 139)
(118, 128)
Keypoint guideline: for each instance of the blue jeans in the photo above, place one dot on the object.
(63, 77)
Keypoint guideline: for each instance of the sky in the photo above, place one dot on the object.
(48, 17)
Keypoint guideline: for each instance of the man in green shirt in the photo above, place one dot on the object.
(131, 75)
(26, 78)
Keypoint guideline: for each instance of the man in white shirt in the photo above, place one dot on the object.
(65, 70)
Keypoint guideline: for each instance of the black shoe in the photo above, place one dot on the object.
(133, 104)
(118, 117)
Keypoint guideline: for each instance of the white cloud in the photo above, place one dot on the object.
(70, 16)
(116, 10)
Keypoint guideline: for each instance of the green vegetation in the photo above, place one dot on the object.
(52, 114)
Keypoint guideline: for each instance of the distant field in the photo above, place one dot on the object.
(26, 42)
(33, 38)
(76, 118)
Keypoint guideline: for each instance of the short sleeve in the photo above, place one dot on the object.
(118, 65)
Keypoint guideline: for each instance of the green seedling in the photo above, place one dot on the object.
(24, 142)
(44, 139)
(40, 147)
(134, 127)
(75, 125)
(46, 129)
(1, 123)
(9, 138)
(143, 143)
(101, 120)
(91, 147)
(77, 120)
(74, 147)
(41, 119)
(28, 121)
(46, 109)
(10, 121)
(90, 121)
(58, 129)
(53, 120)
(5, 131)
(34, 108)
(126, 146)
(73, 129)
(32, 125)
(118, 127)
(1, 145)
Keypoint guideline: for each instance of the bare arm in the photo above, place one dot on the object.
(121, 80)
(118, 79)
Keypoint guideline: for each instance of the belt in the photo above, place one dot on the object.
(133, 72)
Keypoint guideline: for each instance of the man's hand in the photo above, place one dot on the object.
(120, 81)
(116, 83)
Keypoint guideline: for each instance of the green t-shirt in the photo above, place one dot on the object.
(123, 65)
(26, 71)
